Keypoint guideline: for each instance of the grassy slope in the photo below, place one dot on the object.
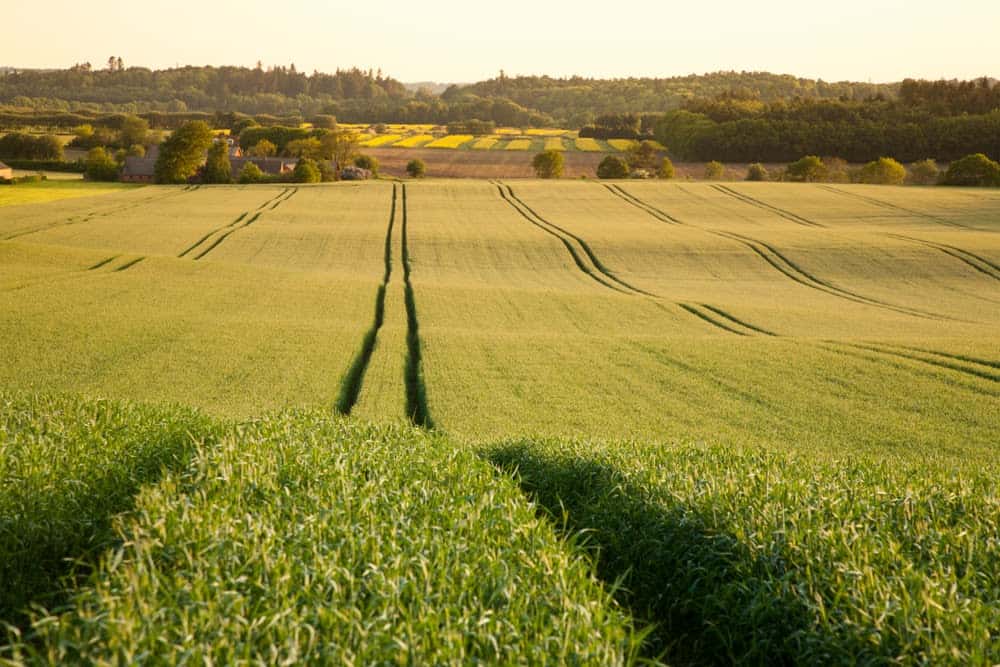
(305, 538)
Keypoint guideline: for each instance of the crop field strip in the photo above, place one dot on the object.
(893, 207)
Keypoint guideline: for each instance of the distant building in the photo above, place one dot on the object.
(6, 172)
(138, 170)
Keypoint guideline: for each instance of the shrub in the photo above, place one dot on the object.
(100, 166)
(883, 171)
(367, 162)
(218, 168)
(809, 169)
(612, 167)
(326, 171)
(643, 156)
(306, 171)
(714, 171)
(757, 172)
(416, 168)
(666, 169)
(251, 173)
(548, 164)
(351, 173)
(973, 170)
(924, 172)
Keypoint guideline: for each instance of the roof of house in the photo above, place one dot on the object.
(139, 166)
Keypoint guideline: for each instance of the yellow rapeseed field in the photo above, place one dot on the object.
(451, 141)
(414, 141)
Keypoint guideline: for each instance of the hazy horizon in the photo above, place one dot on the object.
(446, 41)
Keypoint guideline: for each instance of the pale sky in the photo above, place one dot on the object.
(452, 41)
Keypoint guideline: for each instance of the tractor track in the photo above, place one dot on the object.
(747, 199)
(895, 207)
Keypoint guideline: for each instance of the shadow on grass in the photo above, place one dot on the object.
(55, 526)
(710, 601)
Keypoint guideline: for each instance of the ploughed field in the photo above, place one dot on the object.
(525, 421)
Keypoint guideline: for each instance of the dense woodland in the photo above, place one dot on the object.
(726, 116)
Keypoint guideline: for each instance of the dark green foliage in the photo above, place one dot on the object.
(548, 164)
(69, 467)
(644, 155)
(77, 167)
(757, 172)
(809, 169)
(306, 171)
(278, 135)
(416, 168)
(612, 166)
(182, 153)
(473, 126)
(218, 168)
(251, 173)
(367, 162)
(924, 172)
(21, 146)
(99, 166)
(324, 121)
(973, 170)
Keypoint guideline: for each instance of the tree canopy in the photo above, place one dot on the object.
(183, 152)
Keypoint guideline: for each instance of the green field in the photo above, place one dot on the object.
(539, 422)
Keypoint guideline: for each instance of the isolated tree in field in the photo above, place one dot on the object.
(612, 167)
(324, 121)
(306, 171)
(416, 168)
(218, 169)
(251, 173)
(263, 148)
(643, 155)
(757, 172)
(714, 171)
(134, 130)
(809, 169)
(367, 162)
(924, 172)
(883, 171)
(340, 147)
(548, 164)
(973, 170)
(666, 169)
(182, 152)
(99, 166)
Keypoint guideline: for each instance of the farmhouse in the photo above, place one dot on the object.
(142, 169)
(6, 172)
(138, 170)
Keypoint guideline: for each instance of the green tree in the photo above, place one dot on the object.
(263, 148)
(339, 146)
(666, 170)
(548, 164)
(306, 171)
(99, 166)
(367, 162)
(251, 173)
(973, 170)
(310, 148)
(182, 152)
(714, 171)
(924, 172)
(612, 167)
(134, 130)
(757, 172)
(218, 168)
(883, 171)
(324, 121)
(809, 169)
(416, 168)
(136, 150)
(643, 155)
